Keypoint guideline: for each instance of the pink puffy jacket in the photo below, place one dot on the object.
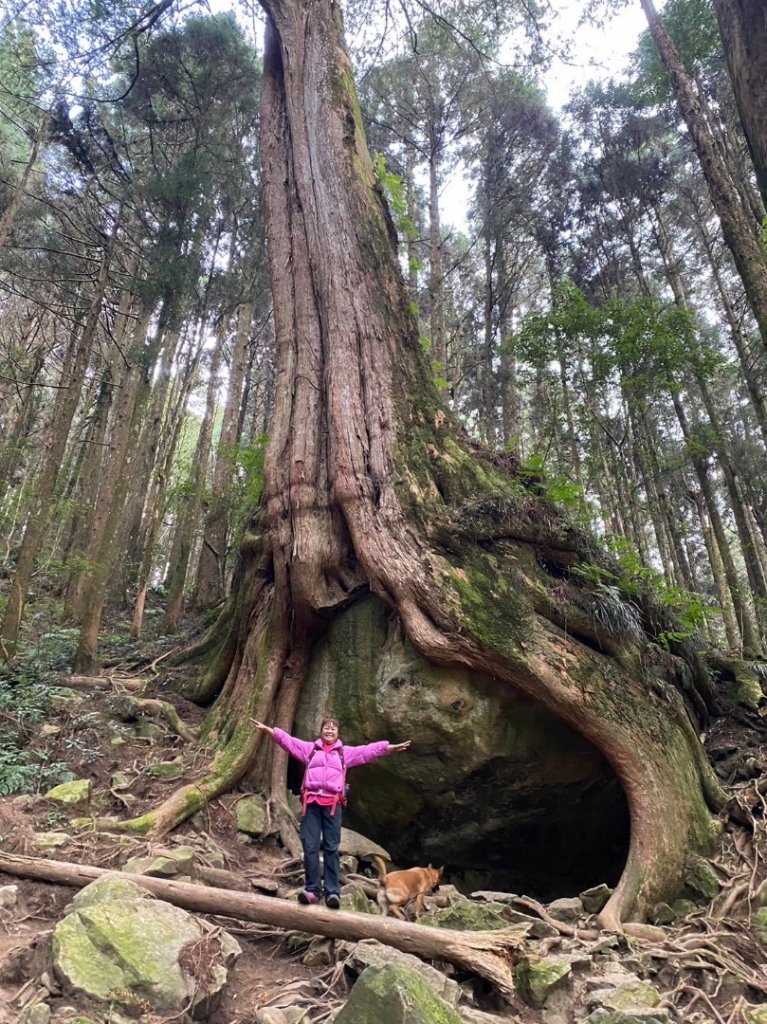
(325, 773)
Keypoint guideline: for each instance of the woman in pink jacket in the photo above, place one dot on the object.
(323, 794)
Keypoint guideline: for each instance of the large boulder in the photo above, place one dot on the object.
(394, 995)
(119, 945)
(492, 785)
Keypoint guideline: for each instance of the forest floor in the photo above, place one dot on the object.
(708, 965)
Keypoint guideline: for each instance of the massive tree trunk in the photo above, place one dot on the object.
(371, 487)
(743, 27)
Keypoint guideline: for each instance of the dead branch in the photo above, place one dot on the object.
(490, 954)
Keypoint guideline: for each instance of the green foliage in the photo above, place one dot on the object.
(559, 489)
(693, 28)
(29, 771)
(633, 579)
(396, 194)
(25, 699)
(642, 345)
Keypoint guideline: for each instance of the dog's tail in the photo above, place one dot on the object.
(380, 864)
(381, 900)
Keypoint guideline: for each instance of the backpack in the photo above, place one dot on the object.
(341, 797)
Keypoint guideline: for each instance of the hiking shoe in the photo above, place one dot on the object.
(333, 901)
(307, 897)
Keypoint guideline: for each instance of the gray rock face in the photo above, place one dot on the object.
(121, 946)
(508, 797)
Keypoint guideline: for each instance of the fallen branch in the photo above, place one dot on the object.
(490, 954)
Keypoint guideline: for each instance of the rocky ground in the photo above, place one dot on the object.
(702, 961)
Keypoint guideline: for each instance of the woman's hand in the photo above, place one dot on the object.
(394, 748)
(262, 726)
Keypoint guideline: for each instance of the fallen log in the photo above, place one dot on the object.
(490, 954)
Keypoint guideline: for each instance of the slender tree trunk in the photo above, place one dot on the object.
(114, 487)
(61, 420)
(190, 514)
(211, 571)
(736, 228)
(9, 215)
(436, 270)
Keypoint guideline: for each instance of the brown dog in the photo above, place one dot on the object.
(399, 887)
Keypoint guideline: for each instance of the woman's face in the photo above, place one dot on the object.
(329, 731)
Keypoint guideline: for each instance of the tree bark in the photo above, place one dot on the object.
(743, 28)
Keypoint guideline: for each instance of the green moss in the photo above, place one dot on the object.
(395, 994)
(491, 602)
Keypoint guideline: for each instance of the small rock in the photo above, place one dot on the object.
(349, 864)
(121, 781)
(319, 953)
(701, 882)
(353, 897)
(49, 984)
(595, 898)
(684, 907)
(38, 1013)
(637, 996)
(71, 794)
(662, 913)
(490, 896)
(9, 896)
(166, 771)
(153, 867)
(251, 815)
(270, 1015)
(149, 731)
(538, 978)
(51, 840)
(265, 885)
(567, 909)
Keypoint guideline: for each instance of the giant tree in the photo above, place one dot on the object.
(370, 487)
(743, 26)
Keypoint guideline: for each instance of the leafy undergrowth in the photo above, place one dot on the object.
(708, 965)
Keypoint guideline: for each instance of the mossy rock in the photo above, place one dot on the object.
(118, 945)
(251, 815)
(353, 898)
(71, 794)
(394, 995)
(637, 997)
(464, 916)
(153, 867)
(375, 954)
(166, 771)
(113, 886)
(701, 883)
(595, 898)
(538, 978)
